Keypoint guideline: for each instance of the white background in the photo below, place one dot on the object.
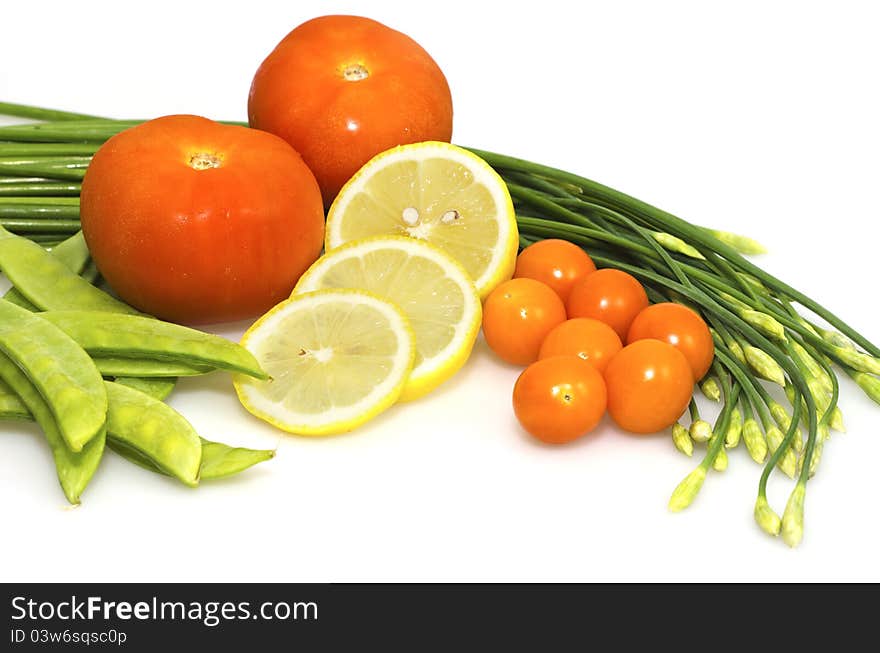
(761, 117)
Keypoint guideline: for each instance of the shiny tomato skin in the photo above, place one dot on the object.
(301, 93)
(559, 399)
(591, 340)
(680, 327)
(649, 385)
(555, 262)
(610, 296)
(200, 245)
(517, 315)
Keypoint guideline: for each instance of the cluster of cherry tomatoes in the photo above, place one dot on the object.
(591, 342)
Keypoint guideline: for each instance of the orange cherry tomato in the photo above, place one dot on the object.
(194, 221)
(610, 296)
(341, 89)
(559, 399)
(592, 340)
(517, 315)
(680, 327)
(649, 386)
(558, 263)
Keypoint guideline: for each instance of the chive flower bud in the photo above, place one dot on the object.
(857, 360)
(711, 389)
(721, 460)
(754, 282)
(836, 420)
(810, 365)
(676, 244)
(742, 244)
(870, 385)
(788, 462)
(754, 440)
(700, 431)
(686, 491)
(737, 352)
(793, 517)
(767, 519)
(734, 429)
(682, 439)
(764, 323)
(764, 365)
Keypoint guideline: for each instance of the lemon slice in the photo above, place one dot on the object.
(436, 192)
(434, 292)
(337, 359)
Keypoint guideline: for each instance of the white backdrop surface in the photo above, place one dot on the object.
(758, 117)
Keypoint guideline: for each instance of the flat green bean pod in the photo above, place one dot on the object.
(155, 430)
(47, 283)
(142, 367)
(11, 406)
(156, 388)
(59, 369)
(73, 253)
(74, 469)
(132, 336)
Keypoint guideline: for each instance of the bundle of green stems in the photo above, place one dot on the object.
(761, 338)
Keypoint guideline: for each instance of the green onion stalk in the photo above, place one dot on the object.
(760, 336)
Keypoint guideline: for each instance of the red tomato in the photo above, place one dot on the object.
(592, 340)
(680, 327)
(194, 221)
(610, 296)
(558, 263)
(559, 399)
(649, 386)
(341, 89)
(517, 315)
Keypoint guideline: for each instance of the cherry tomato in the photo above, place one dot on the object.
(649, 386)
(341, 89)
(610, 296)
(193, 221)
(559, 399)
(680, 327)
(592, 340)
(558, 263)
(517, 315)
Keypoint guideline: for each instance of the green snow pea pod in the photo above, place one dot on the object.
(10, 404)
(47, 283)
(220, 460)
(142, 367)
(74, 469)
(73, 253)
(156, 388)
(132, 336)
(59, 369)
(155, 431)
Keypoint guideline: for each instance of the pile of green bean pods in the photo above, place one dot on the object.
(62, 338)
(761, 339)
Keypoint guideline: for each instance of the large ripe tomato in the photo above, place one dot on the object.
(610, 296)
(559, 399)
(341, 89)
(680, 327)
(193, 221)
(649, 384)
(558, 263)
(517, 315)
(589, 339)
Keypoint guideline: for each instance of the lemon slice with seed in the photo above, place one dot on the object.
(435, 192)
(433, 290)
(337, 359)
